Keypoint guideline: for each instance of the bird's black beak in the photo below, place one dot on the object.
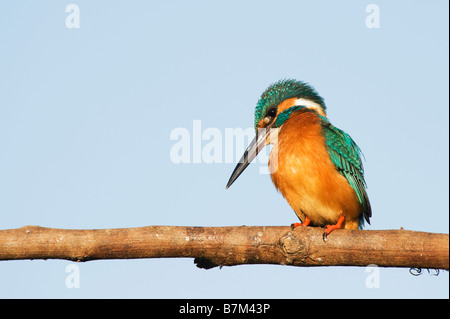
(250, 153)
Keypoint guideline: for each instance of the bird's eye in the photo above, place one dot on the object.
(271, 112)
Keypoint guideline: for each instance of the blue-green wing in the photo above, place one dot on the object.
(346, 156)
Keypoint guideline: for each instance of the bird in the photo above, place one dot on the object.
(316, 166)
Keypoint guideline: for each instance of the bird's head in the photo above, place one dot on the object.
(279, 100)
(273, 109)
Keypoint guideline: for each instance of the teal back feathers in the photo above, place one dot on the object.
(346, 156)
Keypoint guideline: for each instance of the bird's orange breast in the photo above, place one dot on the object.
(303, 172)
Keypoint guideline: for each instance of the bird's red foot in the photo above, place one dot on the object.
(305, 223)
(330, 228)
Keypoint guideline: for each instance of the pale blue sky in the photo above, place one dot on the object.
(86, 116)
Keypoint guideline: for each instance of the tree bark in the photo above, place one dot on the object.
(229, 246)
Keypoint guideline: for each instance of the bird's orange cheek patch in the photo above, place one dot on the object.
(286, 105)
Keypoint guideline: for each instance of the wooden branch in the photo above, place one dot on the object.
(228, 246)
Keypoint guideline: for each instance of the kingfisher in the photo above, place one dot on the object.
(316, 166)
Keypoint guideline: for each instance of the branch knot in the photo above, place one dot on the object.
(292, 246)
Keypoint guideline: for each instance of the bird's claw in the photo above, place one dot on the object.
(295, 225)
(330, 228)
(325, 236)
(306, 222)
